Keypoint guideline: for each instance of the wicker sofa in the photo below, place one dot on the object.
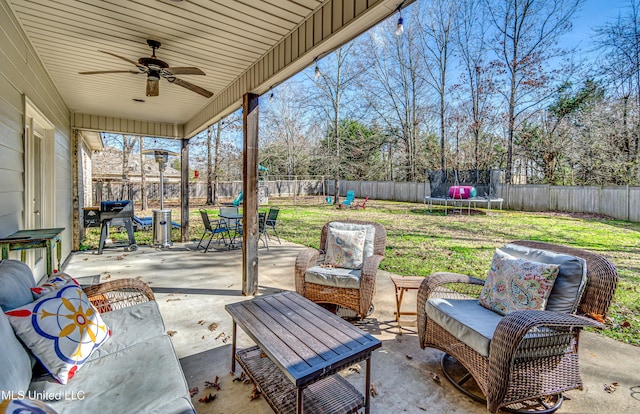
(135, 371)
(526, 358)
(348, 288)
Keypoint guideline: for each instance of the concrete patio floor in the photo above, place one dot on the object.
(192, 287)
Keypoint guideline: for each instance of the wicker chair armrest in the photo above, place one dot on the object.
(507, 344)
(432, 282)
(370, 267)
(117, 294)
(429, 286)
(306, 258)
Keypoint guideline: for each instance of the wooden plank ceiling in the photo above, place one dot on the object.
(241, 45)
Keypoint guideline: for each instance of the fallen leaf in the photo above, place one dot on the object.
(119, 258)
(201, 322)
(610, 388)
(171, 333)
(213, 327)
(598, 317)
(214, 384)
(435, 377)
(374, 392)
(409, 356)
(625, 324)
(193, 391)
(208, 398)
(202, 337)
(255, 393)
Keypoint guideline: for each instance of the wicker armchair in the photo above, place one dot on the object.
(356, 299)
(118, 294)
(533, 355)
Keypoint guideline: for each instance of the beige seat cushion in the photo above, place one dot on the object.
(333, 276)
(465, 319)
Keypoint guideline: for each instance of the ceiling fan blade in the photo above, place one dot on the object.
(133, 62)
(98, 72)
(185, 71)
(191, 87)
(153, 87)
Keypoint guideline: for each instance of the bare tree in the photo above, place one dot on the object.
(477, 74)
(620, 43)
(284, 142)
(143, 176)
(128, 142)
(333, 81)
(527, 33)
(210, 171)
(437, 30)
(394, 89)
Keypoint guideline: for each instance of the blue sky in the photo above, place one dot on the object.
(593, 13)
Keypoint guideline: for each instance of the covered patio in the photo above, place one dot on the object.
(191, 289)
(50, 118)
(165, 69)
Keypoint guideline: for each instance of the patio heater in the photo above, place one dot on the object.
(161, 218)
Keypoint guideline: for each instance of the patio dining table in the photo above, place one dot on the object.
(233, 230)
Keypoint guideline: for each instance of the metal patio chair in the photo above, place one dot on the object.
(272, 221)
(212, 228)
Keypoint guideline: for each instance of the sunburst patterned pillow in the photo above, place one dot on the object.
(25, 406)
(517, 284)
(55, 282)
(61, 329)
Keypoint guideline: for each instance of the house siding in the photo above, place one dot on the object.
(22, 74)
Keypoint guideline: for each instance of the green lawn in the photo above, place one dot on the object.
(420, 242)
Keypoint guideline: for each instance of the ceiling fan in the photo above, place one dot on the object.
(156, 69)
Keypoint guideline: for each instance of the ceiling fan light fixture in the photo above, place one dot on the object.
(154, 75)
(153, 87)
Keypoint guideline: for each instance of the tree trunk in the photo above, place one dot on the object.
(209, 166)
(143, 178)
(216, 159)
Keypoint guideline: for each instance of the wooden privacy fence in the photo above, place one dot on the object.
(621, 202)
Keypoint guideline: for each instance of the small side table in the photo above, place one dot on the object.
(402, 284)
(34, 239)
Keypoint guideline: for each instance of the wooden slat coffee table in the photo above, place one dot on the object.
(300, 348)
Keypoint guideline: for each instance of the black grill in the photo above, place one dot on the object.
(117, 213)
(116, 209)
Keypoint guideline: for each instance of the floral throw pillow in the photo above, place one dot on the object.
(345, 248)
(61, 329)
(55, 282)
(517, 284)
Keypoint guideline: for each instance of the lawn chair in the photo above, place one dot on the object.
(351, 195)
(524, 360)
(220, 230)
(361, 204)
(272, 220)
(349, 285)
(262, 229)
